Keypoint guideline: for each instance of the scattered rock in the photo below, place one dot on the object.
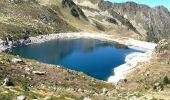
(147, 73)
(69, 89)
(22, 97)
(105, 90)
(133, 98)
(158, 86)
(125, 80)
(46, 98)
(27, 69)
(86, 98)
(80, 90)
(58, 66)
(7, 82)
(29, 78)
(1, 62)
(38, 72)
(16, 60)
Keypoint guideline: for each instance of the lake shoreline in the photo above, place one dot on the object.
(120, 71)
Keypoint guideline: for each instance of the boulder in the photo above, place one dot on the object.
(22, 97)
(80, 90)
(16, 60)
(1, 62)
(7, 82)
(27, 69)
(158, 86)
(39, 72)
(86, 98)
(104, 91)
(46, 98)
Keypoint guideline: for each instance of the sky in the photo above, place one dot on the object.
(151, 3)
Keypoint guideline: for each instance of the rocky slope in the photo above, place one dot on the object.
(19, 18)
(33, 80)
(151, 23)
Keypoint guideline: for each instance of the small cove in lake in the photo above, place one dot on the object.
(94, 57)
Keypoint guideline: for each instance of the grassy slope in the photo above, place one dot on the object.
(29, 18)
(18, 19)
(56, 83)
(60, 83)
(143, 79)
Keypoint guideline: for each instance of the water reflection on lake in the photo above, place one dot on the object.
(93, 57)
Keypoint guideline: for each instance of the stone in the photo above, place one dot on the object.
(125, 80)
(16, 60)
(27, 69)
(39, 72)
(22, 97)
(1, 62)
(7, 82)
(158, 86)
(69, 89)
(86, 98)
(58, 66)
(46, 98)
(105, 90)
(80, 90)
(147, 73)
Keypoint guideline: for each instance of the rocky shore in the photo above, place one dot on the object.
(133, 60)
(44, 38)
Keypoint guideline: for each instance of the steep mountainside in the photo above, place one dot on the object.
(151, 23)
(32, 17)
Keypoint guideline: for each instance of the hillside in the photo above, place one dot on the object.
(34, 17)
(151, 23)
(30, 79)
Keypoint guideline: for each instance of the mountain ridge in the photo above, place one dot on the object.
(152, 23)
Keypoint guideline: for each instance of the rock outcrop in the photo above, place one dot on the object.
(163, 46)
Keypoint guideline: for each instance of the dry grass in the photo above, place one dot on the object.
(56, 81)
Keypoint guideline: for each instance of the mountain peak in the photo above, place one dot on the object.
(161, 7)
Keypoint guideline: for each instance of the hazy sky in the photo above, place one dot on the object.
(151, 3)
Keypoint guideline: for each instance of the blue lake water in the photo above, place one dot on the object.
(93, 57)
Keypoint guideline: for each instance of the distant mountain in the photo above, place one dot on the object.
(151, 23)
